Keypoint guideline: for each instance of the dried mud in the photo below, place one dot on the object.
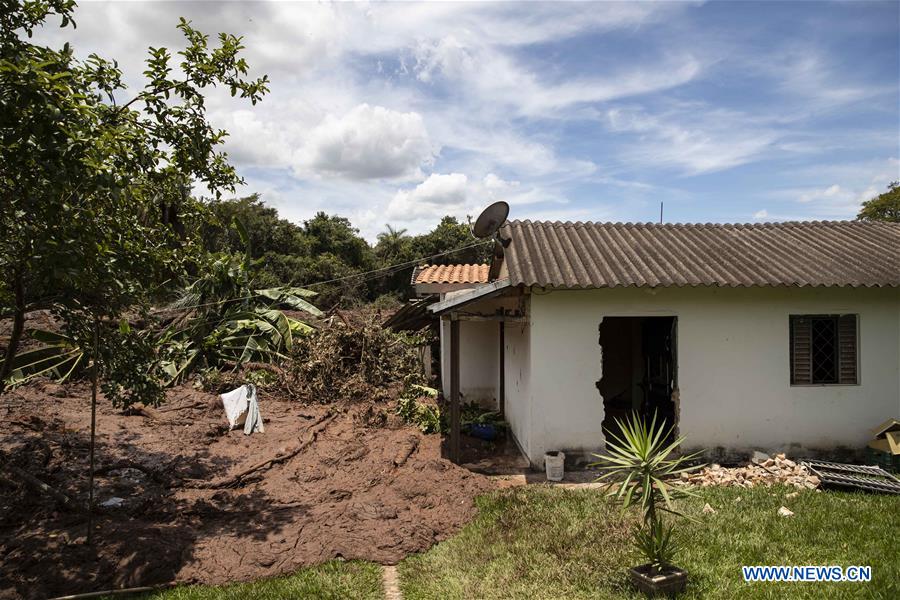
(342, 495)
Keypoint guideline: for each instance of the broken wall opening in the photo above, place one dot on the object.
(639, 369)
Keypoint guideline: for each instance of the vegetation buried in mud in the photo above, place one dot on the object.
(361, 362)
(222, 321)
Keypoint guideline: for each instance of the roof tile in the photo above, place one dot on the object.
(451, 274)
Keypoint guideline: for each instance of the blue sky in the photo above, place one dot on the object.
(400, 113)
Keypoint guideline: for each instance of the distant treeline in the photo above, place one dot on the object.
(328, 247)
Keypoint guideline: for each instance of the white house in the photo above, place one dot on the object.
(768, 336)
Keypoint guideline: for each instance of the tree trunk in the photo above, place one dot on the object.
(18, 327)
(94, 378)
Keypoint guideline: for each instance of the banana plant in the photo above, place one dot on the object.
(59, 358)
(225, 322)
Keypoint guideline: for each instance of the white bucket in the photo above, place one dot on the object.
(554, 463)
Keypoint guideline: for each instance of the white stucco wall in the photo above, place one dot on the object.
(733, 367)
(479, 360)
(517, 381)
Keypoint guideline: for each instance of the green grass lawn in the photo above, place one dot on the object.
(546, 542)
(330, 581)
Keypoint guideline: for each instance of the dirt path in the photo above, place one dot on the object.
(390, 579)
(180, 500)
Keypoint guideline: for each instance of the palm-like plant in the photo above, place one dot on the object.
(643, 459)
(58, 358)
(227, 322)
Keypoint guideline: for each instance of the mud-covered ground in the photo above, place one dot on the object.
(171, 506)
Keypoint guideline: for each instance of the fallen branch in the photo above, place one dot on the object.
(165, 409)
(42, 488)
(406, 451)
(130, 464)
(237, 479)
(146, 411)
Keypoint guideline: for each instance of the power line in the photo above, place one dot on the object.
(398, 266)
(372, 274)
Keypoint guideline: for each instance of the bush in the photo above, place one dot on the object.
(363, 362)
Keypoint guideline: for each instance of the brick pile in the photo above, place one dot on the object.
(763, 470)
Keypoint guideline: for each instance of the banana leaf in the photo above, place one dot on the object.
(291, 297)
(59, 358)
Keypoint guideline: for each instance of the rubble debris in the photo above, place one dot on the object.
(871, 479)
(767, 471)
(708, 510)
(784, 511)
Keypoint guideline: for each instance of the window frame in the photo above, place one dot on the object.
(837, 317)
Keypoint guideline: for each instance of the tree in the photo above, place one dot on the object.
(268, 233)
(885, 207)
(94, 187)
(449, 235)
(335, 235)
(393, 245)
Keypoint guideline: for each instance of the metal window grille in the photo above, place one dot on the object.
(823, 349)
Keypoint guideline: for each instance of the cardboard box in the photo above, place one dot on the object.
(887, 437)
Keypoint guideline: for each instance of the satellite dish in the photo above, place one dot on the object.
(490, 219)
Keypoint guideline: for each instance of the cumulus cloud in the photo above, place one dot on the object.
(761, 214)
(436, 196)
(369, 142)
(829, 192)
(459, 195)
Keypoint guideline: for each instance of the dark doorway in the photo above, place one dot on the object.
(639, 369)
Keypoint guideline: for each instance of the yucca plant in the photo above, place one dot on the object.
(644, 466)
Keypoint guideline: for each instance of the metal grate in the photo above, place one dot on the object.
(873, 479)
(824, 350)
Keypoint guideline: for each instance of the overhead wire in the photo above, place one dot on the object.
(366, 275)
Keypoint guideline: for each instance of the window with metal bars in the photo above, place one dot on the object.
(824, 349)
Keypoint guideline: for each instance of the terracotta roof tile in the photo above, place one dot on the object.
(598, 255)
(451, 274)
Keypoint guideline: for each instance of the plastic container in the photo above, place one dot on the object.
(483, 432)
(554, 463)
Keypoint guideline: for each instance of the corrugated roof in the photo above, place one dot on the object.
(451, 274)
(598, 255)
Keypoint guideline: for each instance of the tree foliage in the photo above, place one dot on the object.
(327, 247)
(885, 207)
(95, 212)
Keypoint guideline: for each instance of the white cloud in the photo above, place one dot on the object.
(829, 192)
(761, 214)
(369, 142)
(491, 75)
(695, 139)
(459, 195)
(436, 196)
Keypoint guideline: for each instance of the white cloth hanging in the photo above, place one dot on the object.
(242, 408)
